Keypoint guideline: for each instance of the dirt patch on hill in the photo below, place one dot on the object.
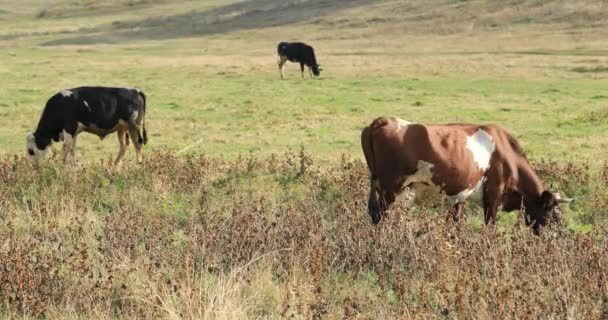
(365, 18)
(251, 14)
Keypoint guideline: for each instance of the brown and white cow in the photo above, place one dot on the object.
(482, 163)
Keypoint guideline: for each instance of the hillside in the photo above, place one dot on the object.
(121, 21)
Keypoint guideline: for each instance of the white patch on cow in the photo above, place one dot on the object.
(475, 193)
(67, 138)
(402, 124)
(481, 146)
(80, 128)
(423, 174)
(419, 186)
(65, 93)
(86, 104)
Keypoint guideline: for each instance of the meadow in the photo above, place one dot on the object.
(251, 199)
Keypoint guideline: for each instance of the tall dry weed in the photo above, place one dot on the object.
(196, 237)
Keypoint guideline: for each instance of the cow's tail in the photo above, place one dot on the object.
(368, 151)
(143, 139)
(373, 204)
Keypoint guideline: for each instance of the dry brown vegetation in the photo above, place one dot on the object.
(277, 238)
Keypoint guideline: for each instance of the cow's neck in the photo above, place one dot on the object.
(529, 184)
(45, 132)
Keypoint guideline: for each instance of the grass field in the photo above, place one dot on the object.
(221, 89)
(540, 69)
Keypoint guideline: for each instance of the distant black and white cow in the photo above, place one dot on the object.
(298, 52)
(97, 110)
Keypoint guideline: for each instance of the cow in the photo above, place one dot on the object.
(482, 163)
(298, 52)
(97, 110)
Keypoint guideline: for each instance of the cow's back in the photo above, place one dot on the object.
(460, 154)
(401, 149)
(297, 52)
(104, 106)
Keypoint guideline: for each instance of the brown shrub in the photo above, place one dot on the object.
(278, 237)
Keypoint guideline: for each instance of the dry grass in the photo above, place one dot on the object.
(201, 238)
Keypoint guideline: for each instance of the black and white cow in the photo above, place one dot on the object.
(97, 110)
(298, 52)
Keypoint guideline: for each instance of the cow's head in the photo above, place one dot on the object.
(316, 70)
(34, 153)
(544, 209)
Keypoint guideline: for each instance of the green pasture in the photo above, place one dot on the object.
(209, 71)
(246, 109)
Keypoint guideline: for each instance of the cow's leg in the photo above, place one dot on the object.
(373, 205)
(457, 211)
(302, 69)
(54, 151)
(491, 199)
(123, 143)
(388, 198)
(69, 142)
(73, 149)
(489, 214)
(133, 132)
(388, 194)
(69, 148)
(282, 62)
(310, 71)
